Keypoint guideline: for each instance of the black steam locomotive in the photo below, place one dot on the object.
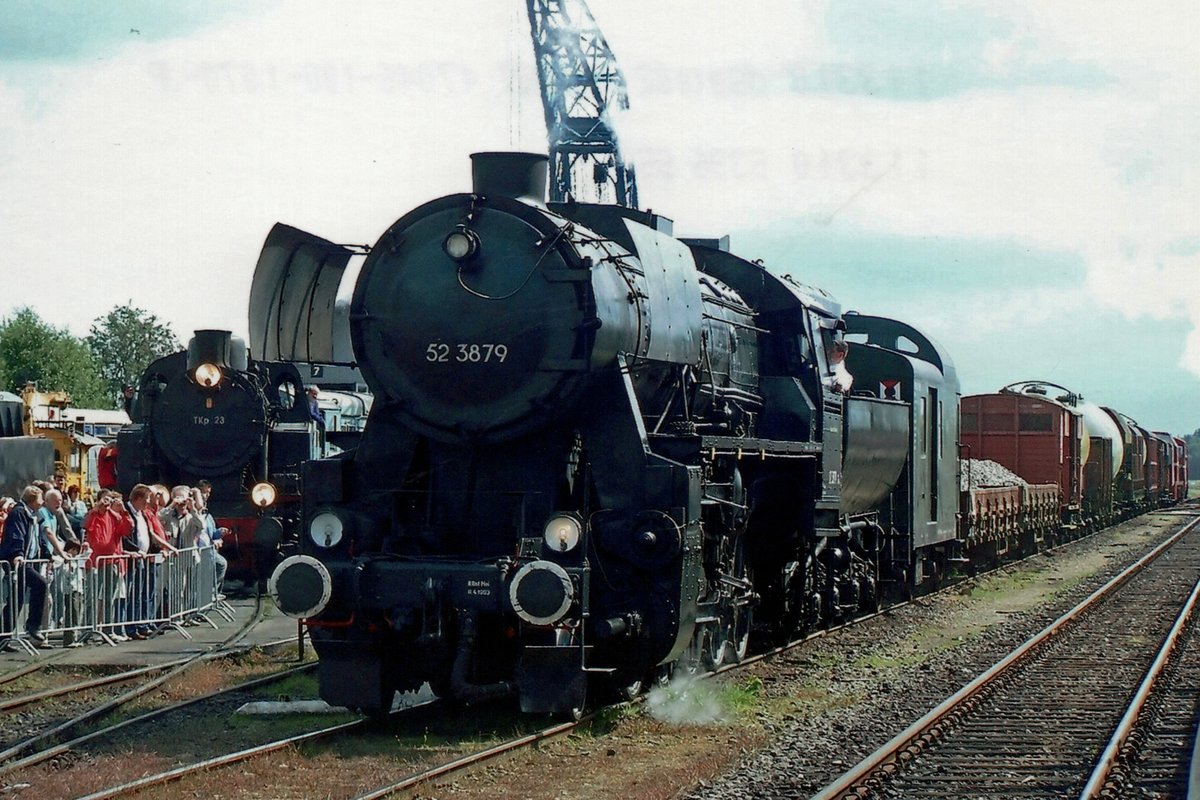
(212, 413)
(595, 449)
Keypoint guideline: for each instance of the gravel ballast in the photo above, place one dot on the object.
(819, 709)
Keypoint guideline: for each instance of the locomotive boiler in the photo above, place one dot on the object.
(594, 451)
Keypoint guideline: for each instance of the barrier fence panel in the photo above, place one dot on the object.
(112, 599)
(65, 600)
(13, 616)
(25, 603)
(204, 594)
(8, 588)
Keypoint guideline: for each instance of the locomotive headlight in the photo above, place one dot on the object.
(462, 244)
(562, 533)
(326, 529)
(263, 494)
(207, 375)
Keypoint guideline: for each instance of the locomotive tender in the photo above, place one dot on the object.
(212, 413)
(595, 449)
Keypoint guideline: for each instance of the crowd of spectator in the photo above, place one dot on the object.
(49, 538)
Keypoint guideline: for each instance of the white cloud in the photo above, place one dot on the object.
(1108, 170)
(154, 174)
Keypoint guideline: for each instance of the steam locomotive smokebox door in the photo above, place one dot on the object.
(486, 349)
(210, 431)
(551, 680)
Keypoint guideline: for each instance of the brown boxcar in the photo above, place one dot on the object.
(1040, 439)
(1155, 458)
(1174, 487)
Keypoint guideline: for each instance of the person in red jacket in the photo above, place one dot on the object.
(106, 525)
(106, 466)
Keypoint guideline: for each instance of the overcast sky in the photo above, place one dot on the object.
(1019, 179)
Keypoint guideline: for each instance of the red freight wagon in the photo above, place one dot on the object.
(1174, 480)
(1156, 458)
(1181, 444)
(1038, 438)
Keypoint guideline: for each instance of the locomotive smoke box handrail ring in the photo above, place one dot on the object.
(520, 286)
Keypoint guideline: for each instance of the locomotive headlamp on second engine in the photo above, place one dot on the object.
(207, 375)
(263, 494)
(562, 533)
(326, 529)
(462, 244)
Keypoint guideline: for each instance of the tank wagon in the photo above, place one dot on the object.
(598, 453)
(211, 413)
(1131, 495)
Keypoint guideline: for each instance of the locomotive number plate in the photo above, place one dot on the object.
(214, 420)
(441, 353)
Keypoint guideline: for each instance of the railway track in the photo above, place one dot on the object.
(32, 698)
(106, 731)
(550, 731)
(45, 738)
(1039, 722)
(1152, 753)
(460, 762)
(407, 781)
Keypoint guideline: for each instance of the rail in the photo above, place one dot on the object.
(1098, 782)
(915, 738)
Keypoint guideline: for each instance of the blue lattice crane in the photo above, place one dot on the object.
(583, 89)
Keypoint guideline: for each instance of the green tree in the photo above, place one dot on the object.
(34, 350)
(1193, 446)
(125, 341)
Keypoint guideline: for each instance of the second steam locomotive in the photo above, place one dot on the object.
(212, 413)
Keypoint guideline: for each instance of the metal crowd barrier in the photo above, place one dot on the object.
(115, 598)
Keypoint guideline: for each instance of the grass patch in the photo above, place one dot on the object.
(277, 726)
(295, 687)
(1001, 584)
(744, 697)
(610, 717)
(885, 663)
(824, 661)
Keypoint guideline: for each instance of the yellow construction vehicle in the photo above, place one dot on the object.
(77, 434)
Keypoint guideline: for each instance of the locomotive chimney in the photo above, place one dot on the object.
(216, 347)
(519, 175)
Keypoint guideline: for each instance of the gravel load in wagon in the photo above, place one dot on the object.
(979, 472)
